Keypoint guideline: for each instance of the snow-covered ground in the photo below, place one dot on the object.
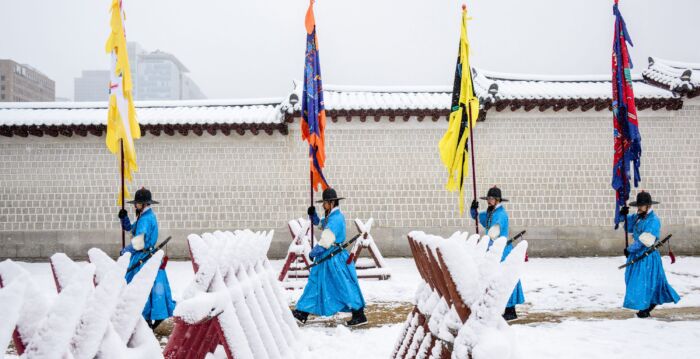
(550, 284)
(609, 339)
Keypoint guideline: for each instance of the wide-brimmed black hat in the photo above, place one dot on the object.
(143, 196)
(643, 199)
(494, 192)
(330, 195)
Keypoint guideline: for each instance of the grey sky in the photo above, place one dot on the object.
(254, 48)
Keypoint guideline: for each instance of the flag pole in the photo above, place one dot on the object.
(121, 145)
(620, 90)
(627, 240)
(471, 136)
(311, 195)
(471, 139)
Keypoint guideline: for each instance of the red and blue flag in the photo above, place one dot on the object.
(628, 142)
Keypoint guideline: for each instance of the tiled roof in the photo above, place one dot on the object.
(495, 90)
(662, 86)
(680, 77)
(155, 117)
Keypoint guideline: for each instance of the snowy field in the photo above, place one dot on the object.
(573, 286)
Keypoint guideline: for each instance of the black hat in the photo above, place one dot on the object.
(143, 196)
(330, 195)
(643, 199)
(494, 192)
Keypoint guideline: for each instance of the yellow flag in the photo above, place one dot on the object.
(465, 110)
(122, 125)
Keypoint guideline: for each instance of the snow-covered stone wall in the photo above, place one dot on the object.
(58, 194)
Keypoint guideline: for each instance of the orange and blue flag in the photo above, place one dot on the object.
(313, 113)
(628, 141)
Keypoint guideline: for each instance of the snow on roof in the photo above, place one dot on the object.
(258, 111)
(660, 87)
(576, 87)
(682, 77)
(388, 99)
(490, 87)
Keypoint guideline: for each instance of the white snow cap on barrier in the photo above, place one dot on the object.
(483, 283)
(96, 314)
(235, 285)
(10, 306)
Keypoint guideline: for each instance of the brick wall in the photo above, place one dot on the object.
(58, 194)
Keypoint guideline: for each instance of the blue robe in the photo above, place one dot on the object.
(160, 304)
(332, 286)
(499, 216)
(645, 280)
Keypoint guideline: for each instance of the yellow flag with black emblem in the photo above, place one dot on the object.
(122, 126)
(463, 115)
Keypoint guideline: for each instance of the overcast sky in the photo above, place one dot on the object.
(255, 48)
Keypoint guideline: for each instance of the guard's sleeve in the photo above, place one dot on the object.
(630, 222)
(315, 220)
(338, 228)
(145, 227)
(635, 247)
(316, 251)
(126, 224)
(473, 212)
(129, 248)
(502, 221)
(482, 218)
(647, 239)
(327, 238)
(654, 227)
(137, 242)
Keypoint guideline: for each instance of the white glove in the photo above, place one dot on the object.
(327, 239)
(647, 239)
(494, 232)
(137, 242)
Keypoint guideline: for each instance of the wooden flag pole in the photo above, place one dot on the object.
(121, 145)
(311, 193)
(627, 241)
(471, 139)
(471, 132)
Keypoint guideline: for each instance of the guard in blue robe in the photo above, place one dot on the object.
(645, 279)
(144, 231)
(495, 222)
(332, 286)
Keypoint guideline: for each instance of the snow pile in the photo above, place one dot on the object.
(95, 314)
(234, 301)
(459, 305)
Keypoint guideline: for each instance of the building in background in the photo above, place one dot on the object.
(135, 51)
(93, 85)
(23, 83)
(161, 76)
(155, 75)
